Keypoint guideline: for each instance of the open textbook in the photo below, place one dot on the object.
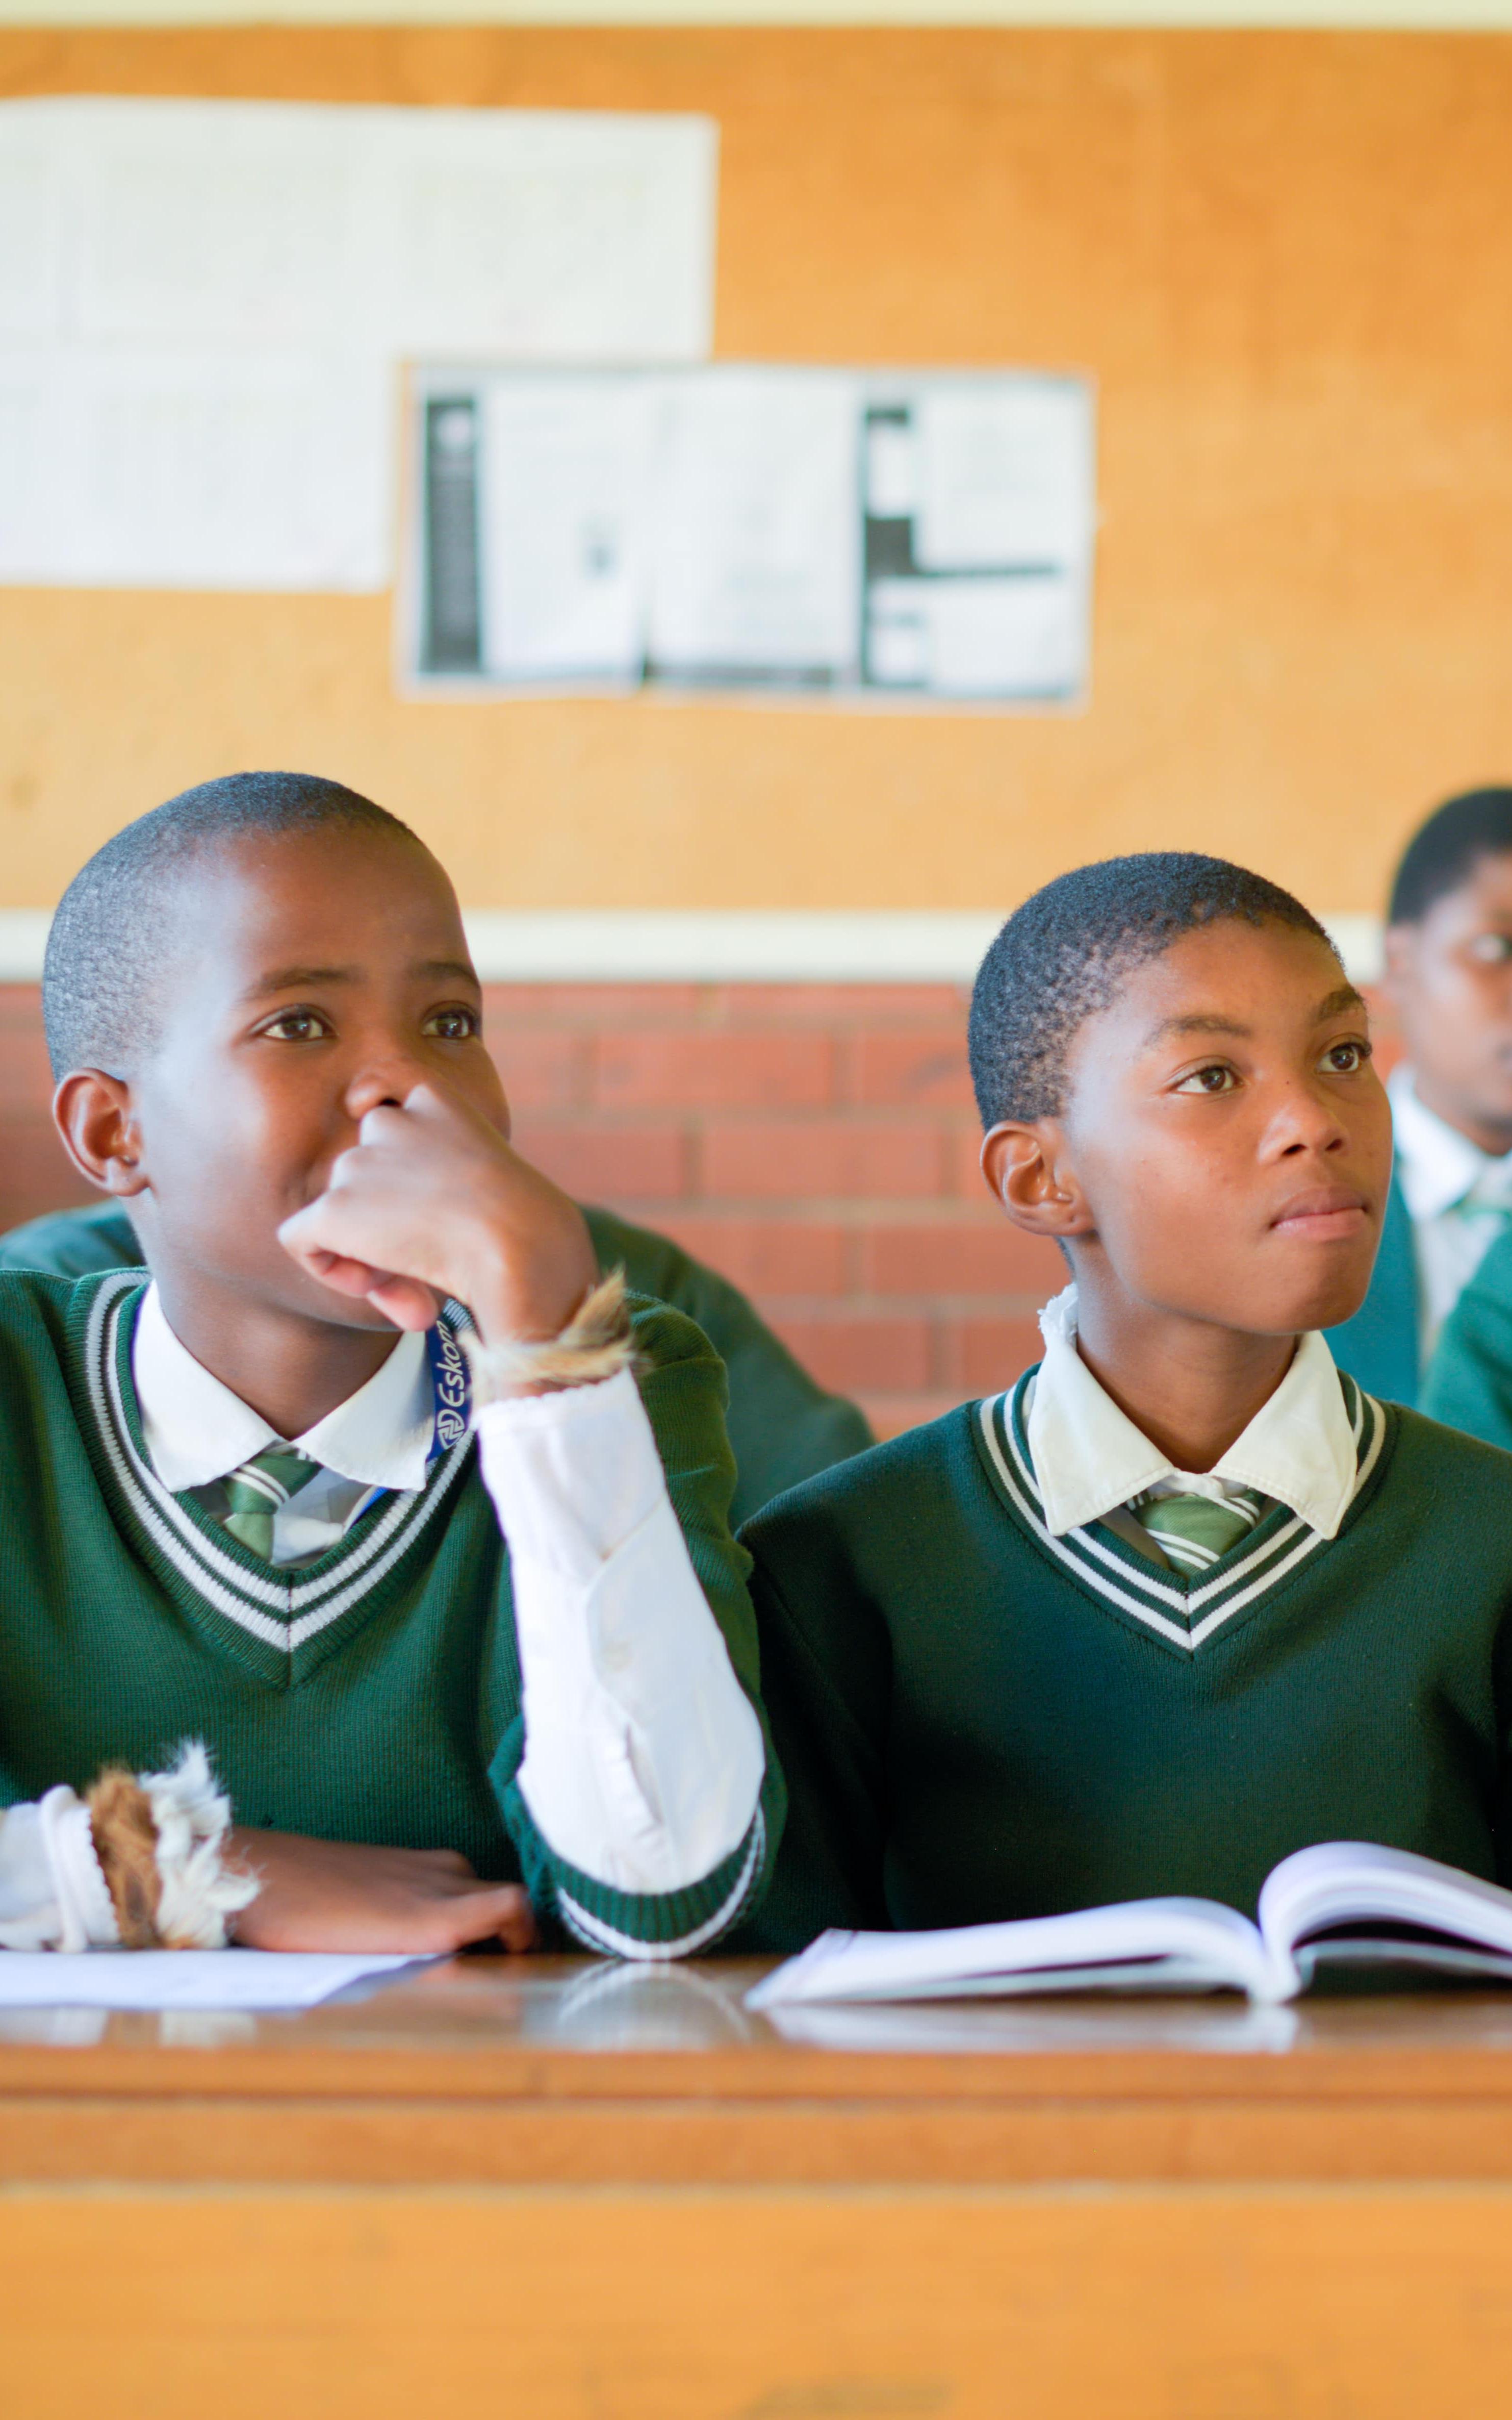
(1346, 1903)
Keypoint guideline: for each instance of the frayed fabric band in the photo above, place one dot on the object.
(160, 1839)
(597, 1343)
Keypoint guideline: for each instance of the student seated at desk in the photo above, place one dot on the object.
(1449, 973)
(1185, 1598)
(242, 1502)
(782, 1426)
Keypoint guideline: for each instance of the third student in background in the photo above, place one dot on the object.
(1449, 974)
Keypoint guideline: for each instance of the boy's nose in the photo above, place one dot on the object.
(378, 1087)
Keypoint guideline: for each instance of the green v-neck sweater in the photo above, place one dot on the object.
(976, 1720)
(372, 1696)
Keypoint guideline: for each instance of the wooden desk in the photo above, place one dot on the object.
(554, 2188)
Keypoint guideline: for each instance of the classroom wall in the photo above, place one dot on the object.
(1285, 256)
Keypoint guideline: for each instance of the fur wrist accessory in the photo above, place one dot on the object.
(160, 1841)
(597, 1343)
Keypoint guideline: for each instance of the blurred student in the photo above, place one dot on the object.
(1449, 975)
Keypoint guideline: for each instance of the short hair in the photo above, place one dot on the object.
(1445, 850)
(1063, 955)
(112, 938)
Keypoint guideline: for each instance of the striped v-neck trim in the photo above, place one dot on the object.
(281, 1612)
(1248, 1571)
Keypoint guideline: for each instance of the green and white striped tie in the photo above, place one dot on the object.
(254, 1492)
(1193, 1531)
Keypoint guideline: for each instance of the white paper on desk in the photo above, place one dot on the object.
(758, 536)
(212, 299)
(566, 507)
(184, 1978)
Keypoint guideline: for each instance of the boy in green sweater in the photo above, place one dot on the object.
(1185, 1598)
(260, 1498)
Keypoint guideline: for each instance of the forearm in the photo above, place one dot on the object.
(644, 1760)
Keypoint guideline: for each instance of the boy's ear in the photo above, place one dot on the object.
(1028, 1168)
(94, 1115)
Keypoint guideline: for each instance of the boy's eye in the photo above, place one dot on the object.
(452, 1024)
(298, 1025)
(1346, 1057)
(1491, 949)
(1218, 1078)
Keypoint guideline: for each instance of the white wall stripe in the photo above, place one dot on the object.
(883, 945)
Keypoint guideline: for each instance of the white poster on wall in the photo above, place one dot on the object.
(204, 305)
(851, 533)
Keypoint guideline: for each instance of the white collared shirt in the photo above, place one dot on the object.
(1458, 1197)
(197, 1432)
(644, 1758)
(1089, 1459)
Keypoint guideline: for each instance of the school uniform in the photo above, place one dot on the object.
(782, 1426)
(513, 1635)
(995, 1694)
(1449, 1204)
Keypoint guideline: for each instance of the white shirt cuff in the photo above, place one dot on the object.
(53, 1894)
(643, 1757)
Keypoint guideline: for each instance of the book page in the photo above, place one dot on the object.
(1359, 1883)
(1169, 1944)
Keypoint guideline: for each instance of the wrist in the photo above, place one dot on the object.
(527, 1293)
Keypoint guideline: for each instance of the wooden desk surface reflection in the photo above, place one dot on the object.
(531, 2072)
(579, 2192)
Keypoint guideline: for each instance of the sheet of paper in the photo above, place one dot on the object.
(1004, 474)
(565, 474)
(758, 534)
(166, 468)
(204, 306)
(1023, 637)
(184, 1978)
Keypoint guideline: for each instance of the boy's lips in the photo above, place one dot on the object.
(1329, 1214)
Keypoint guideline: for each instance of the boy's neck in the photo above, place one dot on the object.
(1188, 1386)
(292, 1370)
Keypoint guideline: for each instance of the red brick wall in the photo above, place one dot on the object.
(817, 1143)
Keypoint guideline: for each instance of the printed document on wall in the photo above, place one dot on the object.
(840, 532)
(204, 306)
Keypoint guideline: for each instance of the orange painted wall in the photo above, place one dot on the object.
(1287, 259)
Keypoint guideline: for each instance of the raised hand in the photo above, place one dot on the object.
(432, 1200)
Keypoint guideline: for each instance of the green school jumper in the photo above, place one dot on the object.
(1382, 1346)
(979, 1720)
(782, 1427)
(1470, 1378)
(371, 1695)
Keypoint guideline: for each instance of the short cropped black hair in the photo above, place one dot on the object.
(112, 938)
(1445, 850)
(1064, 953)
